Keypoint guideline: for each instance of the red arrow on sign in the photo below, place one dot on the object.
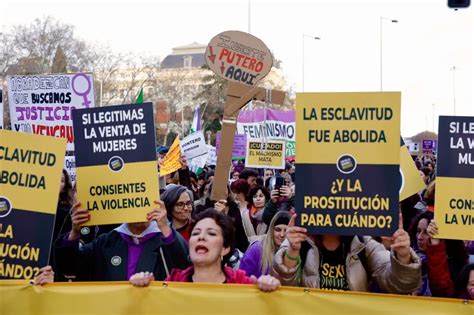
(212, 57)
(222, 68)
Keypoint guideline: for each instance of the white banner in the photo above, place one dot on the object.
(43, 104)
(193, 146)
(267, 124)
(70, 167)
(211, 155)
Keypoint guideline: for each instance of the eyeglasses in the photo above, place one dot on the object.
(180, 205)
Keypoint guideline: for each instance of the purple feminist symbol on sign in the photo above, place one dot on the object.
(85, 93)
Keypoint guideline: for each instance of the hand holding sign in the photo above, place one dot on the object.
(401, 243)
(46, 275)
(432, 231)
(159, 215)
(295, 236)
(79, 216)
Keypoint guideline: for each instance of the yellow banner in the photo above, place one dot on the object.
(411, 179)
(263, 153)
(126, 196)
(171, 162)
(366, 123)
(30, 170)
(189, 298)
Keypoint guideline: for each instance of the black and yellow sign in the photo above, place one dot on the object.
(454, 204)
(348, 158)
(30, 175)
(410, 179)
(117, 175)
(265, 153)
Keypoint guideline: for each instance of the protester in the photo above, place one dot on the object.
(229, 207)
(179, 206)
(128, 249)
(282, 199)
(346, 263)
(210, 246)
(250, 176)
(259, 256)
(252, 218)
(240, 189)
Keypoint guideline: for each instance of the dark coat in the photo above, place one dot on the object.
(93, 261)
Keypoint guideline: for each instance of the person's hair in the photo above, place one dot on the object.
(429, 195)
(240, 186)
(66, 196)
(171, 196)
(253, 192)
(426, 171)
(246, 173)
(268, 244)
(428, 215)
(418, 165)
(225, 223)
(287, 177)
(259, 181)
(461, 282)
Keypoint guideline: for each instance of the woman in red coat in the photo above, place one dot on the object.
(210, 246)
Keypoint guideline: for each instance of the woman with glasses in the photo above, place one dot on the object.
(179, 205)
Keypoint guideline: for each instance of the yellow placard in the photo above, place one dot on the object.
(30, 170)
(263, 153)
(454, 208)
(171, 161)
(356, 120)
(127, 196)
(121, 298)
(411, 179)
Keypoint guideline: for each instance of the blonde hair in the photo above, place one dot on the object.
(268, 243)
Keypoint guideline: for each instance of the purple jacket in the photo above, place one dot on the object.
(251, 263)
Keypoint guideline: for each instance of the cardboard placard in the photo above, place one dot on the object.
(43, 104)
(410, 180)
(348, 162)
(265, 154)
(193, 146)
(30, 176)
(454, 204)
(171, 161)
(117, 176)
(267, 123)
(239, 57)
(239, 148)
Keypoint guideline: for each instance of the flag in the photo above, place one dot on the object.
(140, 97)
(196, 126)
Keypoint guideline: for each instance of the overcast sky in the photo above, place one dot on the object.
(418, 51)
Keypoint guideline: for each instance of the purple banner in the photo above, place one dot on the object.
(240, 146)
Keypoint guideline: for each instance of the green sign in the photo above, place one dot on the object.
(290, 149)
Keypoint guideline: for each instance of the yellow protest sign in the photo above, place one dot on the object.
(30, 176)
(171, 162)
(117, 176)
(265, 153)
(411, 181)
(348, 157)
(122, 298)
(454, 204)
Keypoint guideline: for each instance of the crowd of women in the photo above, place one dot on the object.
(251, 238)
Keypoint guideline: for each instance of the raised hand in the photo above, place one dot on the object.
(158, 214)
(432, 231)
(46, 275)
(401, 243)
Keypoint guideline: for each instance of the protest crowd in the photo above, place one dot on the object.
(252, 237)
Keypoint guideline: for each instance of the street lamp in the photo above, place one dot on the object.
(309, 36)
(453, 69)
(381, 52)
